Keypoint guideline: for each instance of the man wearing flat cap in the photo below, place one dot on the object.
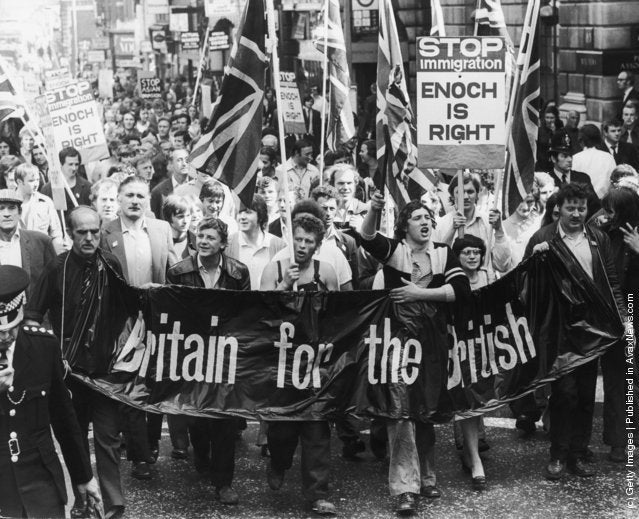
(34, 398)
(30, 250)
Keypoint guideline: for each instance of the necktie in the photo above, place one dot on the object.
(564, 178)
(614, 152)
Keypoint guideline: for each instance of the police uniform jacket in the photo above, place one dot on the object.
(31, 477)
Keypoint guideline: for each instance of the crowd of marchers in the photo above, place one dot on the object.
(147, 213)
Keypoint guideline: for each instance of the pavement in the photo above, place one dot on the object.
(516, 488)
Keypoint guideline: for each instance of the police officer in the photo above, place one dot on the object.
(33, 397)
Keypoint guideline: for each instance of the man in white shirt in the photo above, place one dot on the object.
(500, 257)
(38, 211)
(252, 245)
(595, 163)
(301, 173)
(144, 247)
(178, 169)
(350, 211)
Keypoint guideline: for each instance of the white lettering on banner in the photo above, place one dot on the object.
(502, 348)
(405, 360)
(461, 102)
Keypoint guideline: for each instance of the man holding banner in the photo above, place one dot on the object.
(573, 396)
(428, 277)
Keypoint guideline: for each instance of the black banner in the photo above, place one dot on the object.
(284, 355)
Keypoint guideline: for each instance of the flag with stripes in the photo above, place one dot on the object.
(522, 140)
(490, 21)
(229, 148)
(395, 132)
(9, 105)
(437, 27)
(340, 126)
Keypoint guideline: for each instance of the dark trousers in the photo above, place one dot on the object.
(178, 430)
(91, 406)
(531, 405)
(316, 451)
(135, 434)
(571, 406)
(347, 429)
(154, 429)
(214, 444)
(613, 368)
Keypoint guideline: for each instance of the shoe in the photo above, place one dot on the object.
(323, 507)
(179, 454)
(581, 468)
(526, 424)
(274, 478)
(405, 504)
(617, 454)
(79, 512)
(479, 483)
(430, 492)
(482, 445)
(154, 456)
(351, 449)
(589, 456)
(555, 470)
(227, 496)
(141, 470)
(378, 448)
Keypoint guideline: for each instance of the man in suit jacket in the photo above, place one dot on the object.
(630, 116)
(34, 398)
(625, 83)
(572, 401)
(30, 250)
(178, 169)
(562, 172)
(622, 152)
(144, 248)
(313, 122)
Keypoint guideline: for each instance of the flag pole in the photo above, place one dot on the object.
(460, 199)
(203, 53)
(527, 37)
(272, 36)
(324, 73)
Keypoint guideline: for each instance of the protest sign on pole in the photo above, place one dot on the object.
(461, 102)
(56, 78)
(149, 85)
(291, 104)
(55, 171)
(75, 120)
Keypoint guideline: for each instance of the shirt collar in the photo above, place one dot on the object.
(201, 267)
(563, 234)
(263, 241)
(16, 234)
(126, 228)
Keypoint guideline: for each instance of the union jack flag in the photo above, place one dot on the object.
(490, 21)
(229, 148)
(8, 98)
(395, 132)
(524, 106)
(340, 127)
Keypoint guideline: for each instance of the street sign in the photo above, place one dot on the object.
(219, 40)
(190, 40)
